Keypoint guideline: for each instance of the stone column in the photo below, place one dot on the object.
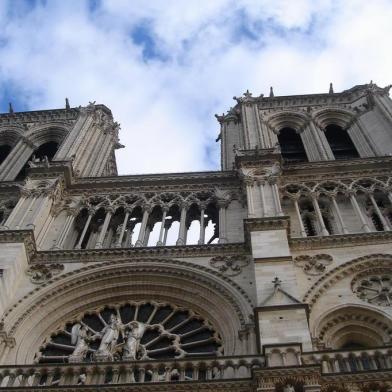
(301, 223)
(357, 209)
(64, 232)
(339, 215)
(322, 143)
(17, 158)
(320, 219)
(86, 225)
(147, 233)
(379, 213)
(123, 227)
(168, 224)
(140, 240)
(181, 233)
(262, 196)
(10, 220)
(202, 227)
(275, 195)
(222, 204)
(20, 223)
(101, 238)
(162, 229)
(249, 196)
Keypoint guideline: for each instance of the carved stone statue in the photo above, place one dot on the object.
(109, 339)
(288, 388)
(132, 345)
(80, 337)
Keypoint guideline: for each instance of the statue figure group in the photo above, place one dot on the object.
(131, 348)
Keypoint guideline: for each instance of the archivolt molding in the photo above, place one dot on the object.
(105, 283)
(347, 269)
(48, 132)
(342, 117)
(373, 324)
(10, 134)
(287, 118)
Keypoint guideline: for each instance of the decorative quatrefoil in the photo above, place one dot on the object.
(313, 265)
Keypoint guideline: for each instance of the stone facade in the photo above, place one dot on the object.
(273, 274)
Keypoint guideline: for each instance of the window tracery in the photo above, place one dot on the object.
(149, 219)
(132, 331)
(374, 288)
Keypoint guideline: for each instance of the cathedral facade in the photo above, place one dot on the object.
(272, 274)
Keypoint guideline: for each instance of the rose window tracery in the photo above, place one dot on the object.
(373, 288)
(132, 331)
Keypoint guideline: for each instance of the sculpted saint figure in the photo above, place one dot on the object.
(134, 335)
(79, 337)
(288, 388)
(109, 336)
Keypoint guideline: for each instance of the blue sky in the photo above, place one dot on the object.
(165, 67)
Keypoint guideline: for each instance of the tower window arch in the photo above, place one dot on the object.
(340, 142)
(5, 149)
(291, 146)
(47, 149)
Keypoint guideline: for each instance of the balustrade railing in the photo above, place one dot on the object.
(128, 372)
(351, 361)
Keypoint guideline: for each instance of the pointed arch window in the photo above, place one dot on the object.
(340, 142)
(291, 146)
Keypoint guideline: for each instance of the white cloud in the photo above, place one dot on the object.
(213, 50)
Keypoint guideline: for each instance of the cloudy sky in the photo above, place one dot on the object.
(166, 67)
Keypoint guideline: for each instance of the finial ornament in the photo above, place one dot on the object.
(277, 282)
(330, 88)
(247, 94)
(11, 109)
(67, 104)
(271, 92)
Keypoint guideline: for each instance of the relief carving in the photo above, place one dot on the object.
(229, 265)
(40, 273)
(313, 265)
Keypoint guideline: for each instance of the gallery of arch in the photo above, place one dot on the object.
(271, 274)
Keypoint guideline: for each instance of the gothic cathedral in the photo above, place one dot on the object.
(272, 274)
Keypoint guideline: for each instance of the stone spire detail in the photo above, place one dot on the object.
(330, 88)
(11, 109)
(67, 106)
(271, 94)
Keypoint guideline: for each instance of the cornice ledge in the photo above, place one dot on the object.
(241, 385)
(339, 240)
(39, 115)
(52, 169)
(328, 165)
(21, 236)
(360, 376)
(98, 255)
(159, 177)
(287, 371)
(267, 223)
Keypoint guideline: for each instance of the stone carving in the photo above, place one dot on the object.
(374, 288)
(110, 336)
(80, 337)
(40, 273)
(133, 336)
(313, 265)
(229, 265)
(120, 334)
